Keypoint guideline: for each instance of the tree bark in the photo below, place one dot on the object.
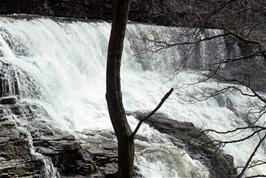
(113, 90)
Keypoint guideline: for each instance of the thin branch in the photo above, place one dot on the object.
(236, 140)
(152, 112)
(161, 45)
(254, 164)
(244, 39)
(228, 60)
(234, 130)
(255, 176)
(250, 158)
(233, 80)
(216, 11)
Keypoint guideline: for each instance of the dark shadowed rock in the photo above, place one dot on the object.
(11, 100)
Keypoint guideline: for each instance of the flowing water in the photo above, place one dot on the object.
(61, 66)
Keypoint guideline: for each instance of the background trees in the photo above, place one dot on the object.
(243, 71)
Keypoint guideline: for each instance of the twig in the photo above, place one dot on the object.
(255, 176)
(152, 112)
(250, 158)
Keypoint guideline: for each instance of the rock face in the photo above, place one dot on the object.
(71, 157)
(15, 155)
(32, 146)
(28, 143)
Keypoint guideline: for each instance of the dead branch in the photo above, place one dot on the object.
(161, 45)
(255, 176)
(233, 130)
(217, 142)
(250, 158)
(253, 164)
(152, 112)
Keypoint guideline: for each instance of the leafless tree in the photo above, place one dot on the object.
(124, 134)
(240, 70)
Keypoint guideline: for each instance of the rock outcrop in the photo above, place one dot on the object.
(221, 165)
(25, 135)
(27, 141)
(16, 159)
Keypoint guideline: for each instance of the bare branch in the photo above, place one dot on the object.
(216, 11)
(152, 112)
(233, 80)
(236, 140)
(234, 130)
(254, 164)
(255, 176)
(250, 158)
(161, 45)
(262, 50)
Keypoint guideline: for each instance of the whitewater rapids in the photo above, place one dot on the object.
(61, 66)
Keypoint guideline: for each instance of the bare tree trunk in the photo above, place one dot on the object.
(113, 90)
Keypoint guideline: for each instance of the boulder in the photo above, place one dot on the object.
(192, 139)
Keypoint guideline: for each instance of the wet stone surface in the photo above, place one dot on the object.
(88, 153)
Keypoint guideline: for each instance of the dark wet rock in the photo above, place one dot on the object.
(102, 150)
(11, 100)
(15, 155)
(66, 154)
(191, 138)
(94, 153)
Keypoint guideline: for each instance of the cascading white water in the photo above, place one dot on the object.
(61, 66)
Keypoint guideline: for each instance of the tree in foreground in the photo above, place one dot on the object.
(124, 134)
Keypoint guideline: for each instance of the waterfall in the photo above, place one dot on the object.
(61, 66)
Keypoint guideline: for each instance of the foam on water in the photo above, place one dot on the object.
(61, 66)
